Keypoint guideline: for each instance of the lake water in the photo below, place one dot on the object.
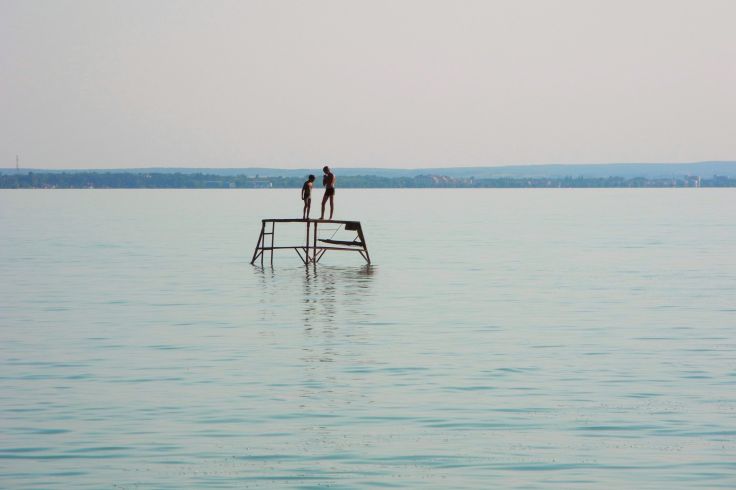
(501, 339)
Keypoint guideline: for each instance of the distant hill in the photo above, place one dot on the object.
(626, 170)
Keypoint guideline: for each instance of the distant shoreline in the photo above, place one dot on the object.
(664, 170)
(155, 180)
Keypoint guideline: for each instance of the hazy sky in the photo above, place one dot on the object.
(405, 83)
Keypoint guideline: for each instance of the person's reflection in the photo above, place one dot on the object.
(324, 286)
(335, 306)
(337, 303)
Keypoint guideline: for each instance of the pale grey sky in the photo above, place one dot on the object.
(402, 83)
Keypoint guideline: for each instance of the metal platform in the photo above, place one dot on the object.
(313, 248)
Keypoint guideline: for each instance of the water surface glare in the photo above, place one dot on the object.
(565, 339)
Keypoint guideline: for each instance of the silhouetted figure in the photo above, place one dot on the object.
(307, 196)
(328, 180)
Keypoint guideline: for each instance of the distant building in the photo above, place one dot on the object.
(692, 181)
(261, 184)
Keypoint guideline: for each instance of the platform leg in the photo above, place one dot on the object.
(273, 232)
(314, 253)
(365, 245)
(258, 245)
(306, 250)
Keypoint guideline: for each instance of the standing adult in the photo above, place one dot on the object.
(328, 180)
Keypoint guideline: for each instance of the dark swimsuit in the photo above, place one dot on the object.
(329, 190)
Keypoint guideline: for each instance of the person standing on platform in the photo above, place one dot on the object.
(307, 196)
(328, 180)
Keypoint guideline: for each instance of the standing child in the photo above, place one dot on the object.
(307, 196)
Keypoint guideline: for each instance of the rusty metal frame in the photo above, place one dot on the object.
(313, 252)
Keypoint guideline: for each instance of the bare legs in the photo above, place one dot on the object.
(332, 205)
(307, 208)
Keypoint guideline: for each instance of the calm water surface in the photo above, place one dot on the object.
(502, 339)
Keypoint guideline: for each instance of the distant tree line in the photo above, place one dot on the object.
(134, 180)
